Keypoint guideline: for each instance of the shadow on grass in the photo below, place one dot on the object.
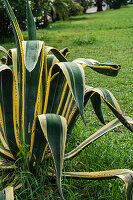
(7, 39)
(85, 17)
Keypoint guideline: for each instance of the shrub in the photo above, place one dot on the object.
(41, 97)
(85, 4)
(118, 3)
(18, 7)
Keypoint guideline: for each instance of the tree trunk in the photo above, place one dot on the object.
(99, 5)
(45, 21)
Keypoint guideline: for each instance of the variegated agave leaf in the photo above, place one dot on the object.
(124, 174)
(96, 95)
(7, 194)
(111, 125)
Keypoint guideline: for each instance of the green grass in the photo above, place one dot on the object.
(106, 37)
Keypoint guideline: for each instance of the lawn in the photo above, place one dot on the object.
(106, 37)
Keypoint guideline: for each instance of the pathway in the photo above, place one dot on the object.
(94, 9)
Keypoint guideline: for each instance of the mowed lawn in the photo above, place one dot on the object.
(106, 37)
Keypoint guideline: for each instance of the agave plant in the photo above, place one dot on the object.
(41, 97)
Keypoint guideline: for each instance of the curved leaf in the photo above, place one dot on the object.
(16, 97)
(2, 137)
(4, 50)
(51, 59)
(38, 145)
(56, 53)
(6, 164)
(3, 60)
(113, 105)
(54, 128)
(95, 94)
(59, 55)
(20, 58)
(7, 194)
(6, 105)
(109, 69)
(111, 125)
(65, 51)
(74, 75)
(96, 102)
(32, 50)
(5, 153)
(125, 174)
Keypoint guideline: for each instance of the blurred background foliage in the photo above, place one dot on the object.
(46, 11)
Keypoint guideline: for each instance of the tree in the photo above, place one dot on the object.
(62, 10)
(56, 9)
(59, 9)
(85, 4)
(118, 3)
(41, 11)
(19, 10)
(99, 5)
(5, 28)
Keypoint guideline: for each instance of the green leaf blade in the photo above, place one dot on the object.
(109, 69)
(6, 104)
(30, 23)
(54, 128)
(105, 129)
(33, 60)
(74, 75)
(7, 194)
(125, 174)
